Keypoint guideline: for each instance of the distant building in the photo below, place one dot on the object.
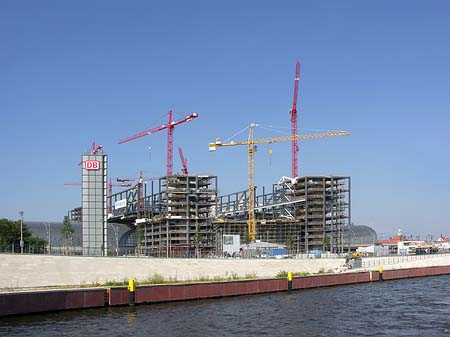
(401, 245)
(359, 236)
(443, 243)
(121, 238)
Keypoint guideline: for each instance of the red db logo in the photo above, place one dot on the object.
(91, 165)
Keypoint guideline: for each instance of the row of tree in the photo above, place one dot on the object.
(10, 237)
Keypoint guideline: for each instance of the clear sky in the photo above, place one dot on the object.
(74, 72)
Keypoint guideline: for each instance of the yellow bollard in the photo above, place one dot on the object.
(131, 285)
(132, 290)
(289, 277)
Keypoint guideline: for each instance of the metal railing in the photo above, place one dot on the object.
(390, 260)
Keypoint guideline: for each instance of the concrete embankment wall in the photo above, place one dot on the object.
(41, 301)
(32, 271)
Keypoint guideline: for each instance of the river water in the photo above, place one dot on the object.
(414, 307)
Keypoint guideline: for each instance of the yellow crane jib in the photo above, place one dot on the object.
(251, 142)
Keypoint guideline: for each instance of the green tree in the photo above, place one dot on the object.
(67, 231)
(246, 237)
(326, 242)
(197, 239)
(10, 234)
(290, 243)
(139, 235)
(35, 245)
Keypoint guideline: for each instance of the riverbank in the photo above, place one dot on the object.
(43, 271)
(17, 303)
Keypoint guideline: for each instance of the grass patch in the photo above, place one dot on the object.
(159, 279)
(284, 274)
(116, 283)
(228, 277)
(156, 279)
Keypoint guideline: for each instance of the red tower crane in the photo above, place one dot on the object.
(183, 161)
(170, 126)
(294, 123)
(140, 182)
(94, 150)
(110, 186)
(140, 178)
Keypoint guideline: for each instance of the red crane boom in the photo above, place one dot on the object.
(170, 128)
(294, 123)
(110, 186)
(94, 150)
(183, 161)
(140, 182)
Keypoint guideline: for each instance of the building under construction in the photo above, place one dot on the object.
(305, 214)
(181, 215)
(177, 218)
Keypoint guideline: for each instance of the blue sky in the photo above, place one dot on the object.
(74, 72)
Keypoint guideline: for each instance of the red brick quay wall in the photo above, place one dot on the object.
(54, 300)
(50, 300)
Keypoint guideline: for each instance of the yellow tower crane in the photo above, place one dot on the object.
(251, 142)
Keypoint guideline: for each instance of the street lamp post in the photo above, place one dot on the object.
(221, 242)
(48, 229)
(21, 232)
(116, 234)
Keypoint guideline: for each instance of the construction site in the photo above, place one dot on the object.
(182, 215)
(307, 214)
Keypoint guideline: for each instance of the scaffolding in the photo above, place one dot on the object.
(182, 216)
(177, 219)
(305, 214)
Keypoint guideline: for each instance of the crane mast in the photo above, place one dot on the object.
(95, 148)
(294, 123)
(251, 222)
(183, 161)
(110, 188)
(170, 126)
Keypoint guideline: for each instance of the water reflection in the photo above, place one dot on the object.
(132, 316)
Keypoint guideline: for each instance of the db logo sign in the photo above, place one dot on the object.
(91, 165)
